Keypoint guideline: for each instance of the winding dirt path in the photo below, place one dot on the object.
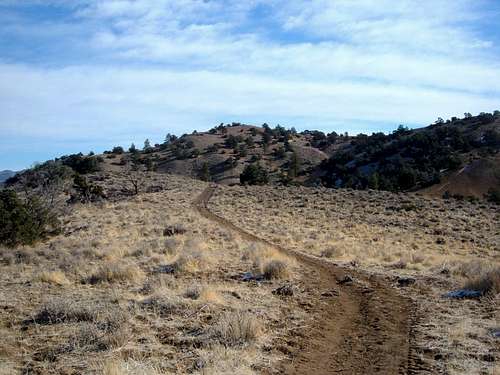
(363, 328)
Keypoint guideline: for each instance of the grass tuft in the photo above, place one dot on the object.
(237, 328)
(117, 272)
(276, 269)
(53, 277)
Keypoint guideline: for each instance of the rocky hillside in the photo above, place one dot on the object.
(454, 157)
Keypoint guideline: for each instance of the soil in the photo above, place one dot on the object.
(359, 323)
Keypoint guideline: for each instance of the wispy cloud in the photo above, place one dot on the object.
(129, 69)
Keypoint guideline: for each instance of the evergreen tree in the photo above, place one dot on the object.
(254, 174)
(294, 168)
(266, 139)
(205, 172)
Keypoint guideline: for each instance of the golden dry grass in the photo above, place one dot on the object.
(53, 277)
(373, 229)
(108, 304)
(237, 328)
(443, 245)
(113, 272)
(115, 295)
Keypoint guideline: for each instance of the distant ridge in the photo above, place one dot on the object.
(6, 174)
(459, 157)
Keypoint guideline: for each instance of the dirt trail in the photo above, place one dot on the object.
(365, 329)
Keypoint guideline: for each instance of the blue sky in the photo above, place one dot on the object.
(86, 75)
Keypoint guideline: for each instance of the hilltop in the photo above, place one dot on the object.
(456, 157)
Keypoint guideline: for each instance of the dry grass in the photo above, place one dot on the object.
(121, 311)
(331, 253)
(191, 261)
(130, 367)
(114, 272)
(275, 269)
(478, 275)
(65, 310)
(136, 318)
(54, 277)
(204, 294)
(237, 328)
(123, 308)
(444, 245)
(372, 229)
(269, 262)
(487, 282)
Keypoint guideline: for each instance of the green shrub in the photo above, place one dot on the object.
(494, 196)
(82, 164)
(118, 150)
(23, 222)
(85, 191)
(254, 174)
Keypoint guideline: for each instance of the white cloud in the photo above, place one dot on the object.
(85, 100)
(174, 65)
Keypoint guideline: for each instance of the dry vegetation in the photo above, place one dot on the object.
(443, 245)
(142, 285)
(145, 285)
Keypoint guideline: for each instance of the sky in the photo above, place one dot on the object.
(86, 75)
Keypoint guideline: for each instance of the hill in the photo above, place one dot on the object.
(169, 274)
(457, 157)
(4, 175)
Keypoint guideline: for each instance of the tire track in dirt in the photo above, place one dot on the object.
(364, 329)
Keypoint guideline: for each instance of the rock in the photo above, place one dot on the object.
(405, 281)
(285, 290)
(235, 294)
(168, 268)
(249, 276)
(173, 230)
(330, 293)
(463, 293)
(345, 280)
(488, 357)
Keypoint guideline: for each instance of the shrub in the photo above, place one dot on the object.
(206, 294)
(85, 191)
(205, 172)
(117, 272)
(494, 196)
(64, 310)
(275, 269)
(190, 261)
(237, 328)
(279, 152)
(118, 150)
(24, 222)
(231, 141)
(81, 164)
(254, 174)
(486, 282)
(330, 253)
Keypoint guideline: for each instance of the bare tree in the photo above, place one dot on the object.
(134, 177)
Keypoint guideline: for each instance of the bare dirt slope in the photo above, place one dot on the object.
(473, 179)
(358, 323)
